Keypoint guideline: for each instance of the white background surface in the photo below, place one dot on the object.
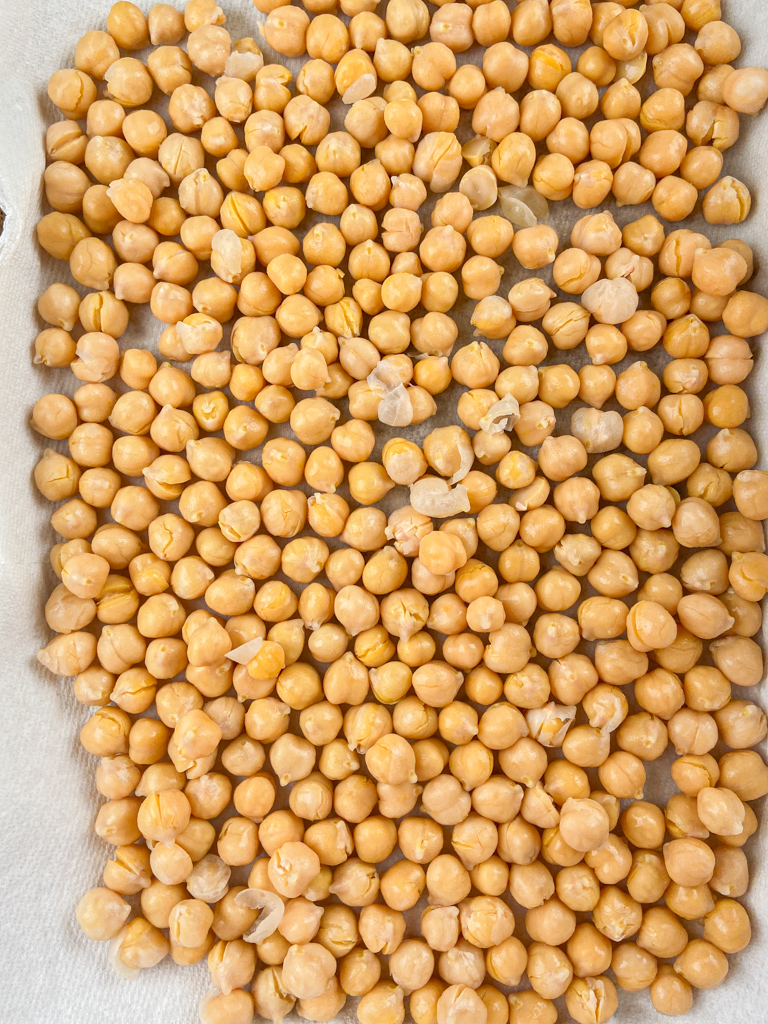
(49, 856)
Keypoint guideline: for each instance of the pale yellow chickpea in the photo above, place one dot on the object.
(612, 142)
(514, 158)
(592, 182)
(505, 65)
(744, 90)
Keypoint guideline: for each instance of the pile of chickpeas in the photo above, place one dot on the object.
(422, 531)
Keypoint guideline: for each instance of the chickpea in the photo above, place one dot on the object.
(728, 201)
(702, 964)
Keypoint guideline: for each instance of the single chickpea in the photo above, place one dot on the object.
(744, 90)
(702, 964)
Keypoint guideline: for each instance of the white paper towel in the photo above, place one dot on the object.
(50, 856)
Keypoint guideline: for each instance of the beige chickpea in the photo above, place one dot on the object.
(663, 152)
(744, 90)
(72, 91)
(535, 247)
(702, 964)
(670, 993)
(64, 140)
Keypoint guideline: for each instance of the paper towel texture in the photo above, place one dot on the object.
(49, 853)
